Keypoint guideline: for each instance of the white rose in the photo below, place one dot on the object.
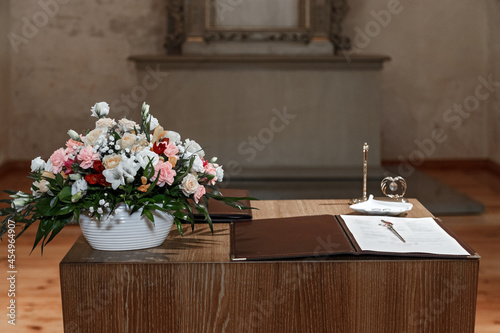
(194, 148)
(153, 122)
(130, 168)
(100, 110)
(197, 164)
(37, 164)
(219, 173)
(145, 156)
(189, 185)
(48, 166)
(174, 137)
(79, 186)
(121, 174)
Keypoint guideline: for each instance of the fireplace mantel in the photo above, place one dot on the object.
(286, 62)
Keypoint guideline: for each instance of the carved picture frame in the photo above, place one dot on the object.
(299, 33)
(194, 20)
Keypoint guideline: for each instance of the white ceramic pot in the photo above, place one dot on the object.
(124, 232)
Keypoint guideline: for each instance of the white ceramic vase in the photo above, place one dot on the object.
(122, 231)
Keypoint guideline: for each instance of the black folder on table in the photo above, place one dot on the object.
(306, 237)
(220, 212)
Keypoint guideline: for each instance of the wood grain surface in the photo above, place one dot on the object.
(189, 285)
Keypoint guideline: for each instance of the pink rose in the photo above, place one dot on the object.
(164, 173)
(171, 150)
(72, 146)
(209, 169)
(87, 157)
(200, 192)
(58, 158)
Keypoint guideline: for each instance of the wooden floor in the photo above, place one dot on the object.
(37, 286)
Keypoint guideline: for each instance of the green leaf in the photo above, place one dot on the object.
(181, 216)
(59, 180)
(44, 229)
(203, 210)
(43, 206)
(65, 210)
(148, 214)
(57, 227)
(54, 202)
(76, 215)
(178, 224)
(65, 194)
(10, 192)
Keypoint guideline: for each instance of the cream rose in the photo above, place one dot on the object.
(189, 185)
(127, 125)
(93, 137)
(112, 161)
(105, 123)
(42, 186)
(127, 140)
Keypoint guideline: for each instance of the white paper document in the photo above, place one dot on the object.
(422, 235)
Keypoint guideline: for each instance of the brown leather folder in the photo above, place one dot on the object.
(305, 237)
(220, 212)
(293, 237)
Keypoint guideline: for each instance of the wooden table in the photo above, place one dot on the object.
(189, 285)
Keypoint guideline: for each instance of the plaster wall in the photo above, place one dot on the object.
(439, 49)
(78, 57)
(4, 80)
(494, 112)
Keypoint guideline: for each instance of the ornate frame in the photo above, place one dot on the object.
(300, 33)
(194, 19)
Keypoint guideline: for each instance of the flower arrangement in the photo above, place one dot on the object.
(138, 164)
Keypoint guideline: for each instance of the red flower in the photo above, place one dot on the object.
(93, 179)
(160, 147)
(101, 180)
(98, 166)
(68, 165)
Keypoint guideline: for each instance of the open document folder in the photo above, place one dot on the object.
(325, 235)
(421, 235)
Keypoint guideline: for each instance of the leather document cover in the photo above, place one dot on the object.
(220, 212)
(307, 236)
(293, 237)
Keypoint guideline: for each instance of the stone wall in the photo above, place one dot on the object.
(72, 53)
